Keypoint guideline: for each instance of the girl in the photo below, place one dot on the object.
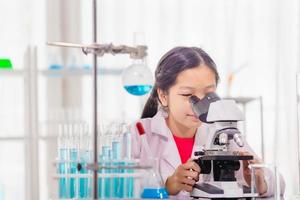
(173, 131)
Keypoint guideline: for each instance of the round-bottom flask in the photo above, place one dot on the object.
(137, 79)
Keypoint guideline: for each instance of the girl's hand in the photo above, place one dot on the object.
(184, 178)
(259, 174)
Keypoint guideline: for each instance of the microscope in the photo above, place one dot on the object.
(216, 161)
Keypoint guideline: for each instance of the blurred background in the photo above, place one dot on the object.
(255, 44)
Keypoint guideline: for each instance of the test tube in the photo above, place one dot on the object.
(128, 182)
(116, 159)
(73, 155)
(62, 165)
(84, 186)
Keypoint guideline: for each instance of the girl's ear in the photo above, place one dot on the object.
(163, 97)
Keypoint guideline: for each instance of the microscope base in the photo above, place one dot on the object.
(221, 190)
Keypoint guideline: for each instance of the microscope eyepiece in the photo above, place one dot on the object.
(201, 106)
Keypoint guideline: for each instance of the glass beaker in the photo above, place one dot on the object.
(271, 176)
(153, 186)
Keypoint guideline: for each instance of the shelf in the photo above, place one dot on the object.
(14, 72)
(101, 175)
(63, 72)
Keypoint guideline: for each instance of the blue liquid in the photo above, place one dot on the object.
(155, 193)
(73, 170)
(138, 90)
(55, 67)
(84, 183)
(100, 180)
(118, 187)
(62, 169)
(129, 184)
(63, 194)
(105, 184)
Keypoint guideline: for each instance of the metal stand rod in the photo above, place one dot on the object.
(95, 107)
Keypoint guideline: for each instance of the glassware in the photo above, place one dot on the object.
(137, 79)
(62, 167)
(73, 157)
(153, 187)
(85, 157)
(272, 177)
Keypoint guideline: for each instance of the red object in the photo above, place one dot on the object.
(185, 147)
(140, 128)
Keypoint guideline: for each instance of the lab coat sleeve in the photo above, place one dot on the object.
(268, 173)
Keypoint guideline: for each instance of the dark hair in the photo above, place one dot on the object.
(171, 64)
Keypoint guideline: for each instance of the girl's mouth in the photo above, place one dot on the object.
(194, 117)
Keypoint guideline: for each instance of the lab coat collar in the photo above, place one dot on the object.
(159, 124)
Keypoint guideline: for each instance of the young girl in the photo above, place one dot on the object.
(173, 131)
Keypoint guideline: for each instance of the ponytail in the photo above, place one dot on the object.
(151, 106)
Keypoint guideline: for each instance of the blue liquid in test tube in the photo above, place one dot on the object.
(73, 171)
(104, 184)
(118, 182)
(100, 179)
(84, 184)
(62, 169)
(128, 181)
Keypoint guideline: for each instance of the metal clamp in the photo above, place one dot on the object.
(138, 52)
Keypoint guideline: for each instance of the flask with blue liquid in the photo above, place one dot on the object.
(153, 187)
(137, 79)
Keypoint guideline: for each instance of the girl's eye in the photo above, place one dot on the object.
(186, 95)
